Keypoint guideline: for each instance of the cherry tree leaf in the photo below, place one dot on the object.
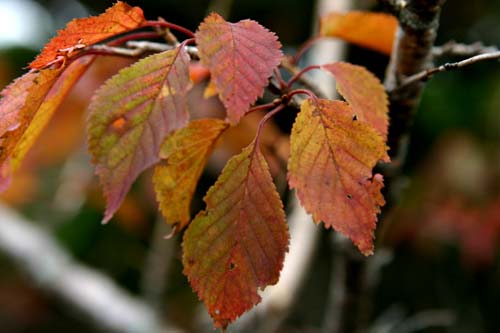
(364, 93)
(87, 31)
(241, 57)
(186, 152)
(27, 106)
(375, 31)
(130, 116)
(237, 245)
(331, 161)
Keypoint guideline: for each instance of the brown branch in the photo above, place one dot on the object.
(428, 73)
(453, 48)
(412, 53)
(136, 49)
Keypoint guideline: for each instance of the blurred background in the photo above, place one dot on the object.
(442, 273)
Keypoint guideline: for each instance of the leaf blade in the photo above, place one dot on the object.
(375, 31)
(238, 243)
(185, 152)
(27, 107)
(331, 162)
(241, 57)
(117, 19)
(130, 116)
(364, 93)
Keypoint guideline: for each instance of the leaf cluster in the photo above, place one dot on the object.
(140, 119)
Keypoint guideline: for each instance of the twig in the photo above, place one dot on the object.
(94, 294)
(428, 73)
(136, 49)
(462, 50)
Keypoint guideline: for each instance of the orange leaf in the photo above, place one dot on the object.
(186, 152)
(237, 245)
(83, 32)
(331, 161)
(28, 112)
(364, 93)
(371, 30)
(241, 57)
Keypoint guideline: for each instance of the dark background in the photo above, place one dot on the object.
(438, 237)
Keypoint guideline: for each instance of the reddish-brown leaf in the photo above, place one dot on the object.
(87, 31)
(130, 116)
(331, 162)
(27, 107)
(371, 30)
(237, 245)
(241, 57)
(364, 93)
(186, 152)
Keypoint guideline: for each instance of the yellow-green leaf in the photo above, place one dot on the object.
(131, 115)
(186, 152)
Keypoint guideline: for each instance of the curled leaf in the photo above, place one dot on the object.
(331, 162)
(185, 152)
(375, 31)
(241, 57)
(237, 245)
(130, 116)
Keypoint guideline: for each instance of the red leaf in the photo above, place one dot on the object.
(87, 31)
(364, 93)
(27, 107)
(237, 245)
(375, 31)
(130, 116)
(331, 162)
(241, 57)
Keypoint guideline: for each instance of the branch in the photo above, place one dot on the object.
(94, 294)
(428, 73)
(463, 50)
(136, 49)
(412, 53)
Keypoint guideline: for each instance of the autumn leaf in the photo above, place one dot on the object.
(186, 152)
(87, 31)
(28, 105)
(331, 161)
(130, 116)
(375, 31)
(364, 93)
(237, 245)
(241, 57)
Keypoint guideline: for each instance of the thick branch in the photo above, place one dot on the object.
(412, 53)
(94, 294)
